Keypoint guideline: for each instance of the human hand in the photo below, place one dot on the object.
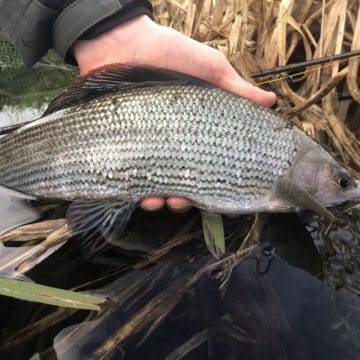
(141, 41)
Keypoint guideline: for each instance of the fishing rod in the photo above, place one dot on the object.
(302, 64)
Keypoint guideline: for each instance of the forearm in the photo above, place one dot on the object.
(36, 26)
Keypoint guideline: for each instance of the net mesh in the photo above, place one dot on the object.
(24, 87)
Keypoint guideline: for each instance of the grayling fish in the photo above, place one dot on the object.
(123, 134)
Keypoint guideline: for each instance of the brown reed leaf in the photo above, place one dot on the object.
(354, 63)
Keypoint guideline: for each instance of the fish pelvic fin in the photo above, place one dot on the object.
(116, 77)
(289, 195)
(99, 223)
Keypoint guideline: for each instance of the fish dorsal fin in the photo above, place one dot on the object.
(290, 194)
(117, 77)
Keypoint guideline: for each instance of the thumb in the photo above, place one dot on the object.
(243, 88)
(211, 65)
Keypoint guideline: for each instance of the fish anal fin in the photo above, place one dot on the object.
(288, 195)
(116, 77)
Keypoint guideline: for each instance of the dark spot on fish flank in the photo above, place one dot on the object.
(221, 180)
(174, 96)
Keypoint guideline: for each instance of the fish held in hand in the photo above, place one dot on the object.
(125, 133)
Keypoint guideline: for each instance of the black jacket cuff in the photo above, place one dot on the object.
(81, 21)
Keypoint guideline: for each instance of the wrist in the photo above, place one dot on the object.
(117, 45)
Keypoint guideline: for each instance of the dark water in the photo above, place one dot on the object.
(284, 313)
(339, 245)
(300, 304)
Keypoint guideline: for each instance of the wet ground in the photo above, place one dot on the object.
(293, 298)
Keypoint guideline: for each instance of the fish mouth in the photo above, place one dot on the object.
(352, 194)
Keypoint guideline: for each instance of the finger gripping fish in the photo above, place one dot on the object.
(123, 133)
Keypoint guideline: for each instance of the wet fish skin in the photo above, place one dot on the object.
(123, 145)
(223, 152)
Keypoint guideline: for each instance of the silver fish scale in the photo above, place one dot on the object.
(219, 150)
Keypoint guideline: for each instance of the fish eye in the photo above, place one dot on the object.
(344, 178)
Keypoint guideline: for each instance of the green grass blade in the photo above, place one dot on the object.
(48, 295)
(213, 229)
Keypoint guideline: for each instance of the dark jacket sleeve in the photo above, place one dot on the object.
(35, 26)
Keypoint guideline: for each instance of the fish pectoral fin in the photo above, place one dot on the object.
(213, 229)
(290, 195)
(98, 222)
